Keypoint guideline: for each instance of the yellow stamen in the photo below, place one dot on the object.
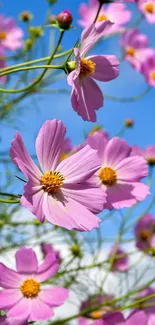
(102, 17)
(153, 75)
(3, 35)
(30, 288)
(97, 314)
(145, 235)
(130, 50)
(149, 7)
(87, 67)
(108, 176)
(63, 156)
(52, 181)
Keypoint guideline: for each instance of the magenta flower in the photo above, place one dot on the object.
(117, 318)
(3, 79)
(12, 321)
(86, 96)
(117, 13)
(145, 305)
(23, 294)
(119, 174)
(147, 7)
(48, 248)
(120, 263)
(148, 70)
(10, 34)
(144, 232)
(136, 49)
(60, 192)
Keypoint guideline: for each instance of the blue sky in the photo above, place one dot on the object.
(32, 114)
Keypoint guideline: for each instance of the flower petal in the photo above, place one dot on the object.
(49, 144)
(9, 297)
(26, 261)
(132, 169)
(106, 68)
(115, 151)
(54, 296)
(40, 310)
(98, 141)
(21, 310)
(48, 268)
(80, 166)
(9, 279)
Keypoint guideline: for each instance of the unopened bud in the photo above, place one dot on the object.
(28, 44)
(25, 16)
(129, 123)
(52, 19)
(36, 32)
(76, 251)
(64, 19)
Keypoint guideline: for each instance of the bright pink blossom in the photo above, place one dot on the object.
(48, 248)
(119, 174)
(60, 191)
(136, 49)
(120, 261)
(116, 318)
(148, 70)
(23, 294)
(144, 232)
(86, 95)
(147, 7)
(10, 34)
(117, 13)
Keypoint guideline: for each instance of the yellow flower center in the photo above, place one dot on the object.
(52, 181)
(108, 176)
(87, 67)
(102, 17)
(130, 50)
(97, 314)
(145, 235)
(151, 161)
(3, 35)
(153, 75)
(95, 129)
(63, 156)
(149, 7)
(30, 288)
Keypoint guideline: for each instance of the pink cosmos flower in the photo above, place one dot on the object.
(86, 96)
(59, 192)
(147, 309)
(119, 263)
(148, 70)
(117, 318)
(12, 321)
(136, 49)
(119, 174)
(3, 79)
(144, 232)
(48, 248)
(10, 34)
(23, 294)
(148, 153)
(147, 7)
(117, 13)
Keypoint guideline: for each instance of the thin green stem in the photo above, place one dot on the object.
(9, 201)
(128, 99)
(32, 68)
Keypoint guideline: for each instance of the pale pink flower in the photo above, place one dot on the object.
(48, 248)
(117, 13)
(86, 95)
(10, 34)
(148, 153)
(3, 79)
(119, 174)
(148, 70)
(121, 259)
(60, 191)
(23, 294)
(144, 232)
(147, 7)
(136, 49)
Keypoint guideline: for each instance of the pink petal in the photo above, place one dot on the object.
(9, 279)
(22, 159)
(92, 198)
(26, 261)
(34, 202)
(54, 296)
(21, 310)
(98, 141)
(11, 321)
(138, 317)
(106, 68)
(9, 297)
(132, 169)
(70, 214)
(48, 268)
(80, 166)
(49, 144)
(40, 310)
(115, 151)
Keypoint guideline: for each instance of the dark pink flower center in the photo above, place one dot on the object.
(108, 176)
(87, 67)
(52, 181)
(30, 288)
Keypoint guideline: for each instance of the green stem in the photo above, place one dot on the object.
(32, 68)
(9, 194)
(9, 201)
(128, 99)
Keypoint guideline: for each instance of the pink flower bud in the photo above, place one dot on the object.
(129, 123)
(64, 19)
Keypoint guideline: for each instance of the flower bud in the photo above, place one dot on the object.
(25, 16)
(28, 44)
(52, 19)
(64, 19)
(35, 32)
(76, 251)
(129, 123)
